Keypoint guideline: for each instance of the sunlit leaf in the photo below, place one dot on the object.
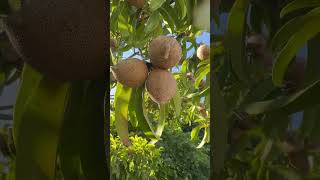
(39, 130)
(303, 31)
(177, 103)
(122, 99)
(29, 81)
(155, 4)
(153, 22)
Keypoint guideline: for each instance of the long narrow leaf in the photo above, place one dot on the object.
(235, 37)
(304, 98)
(39, 131)
(143, 121)
(70, 140)
(219, 129)
(304, 31)
(29, 81)
(122, 101)
(93, 152)
(298, 4)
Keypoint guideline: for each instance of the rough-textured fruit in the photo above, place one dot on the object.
(161, 86)
(63, 39)
(136, 3)
(131, 72)
(165, 52)
(203, 52)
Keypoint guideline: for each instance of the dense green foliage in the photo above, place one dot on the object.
(174, 157)
(260, 83)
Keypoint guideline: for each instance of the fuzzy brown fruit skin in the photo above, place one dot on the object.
(63, 39)
(165, 52)
(131, 72)
(203, 52)
(136, 3)
(161, 86)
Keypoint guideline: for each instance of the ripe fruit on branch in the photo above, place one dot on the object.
(161, 86)
(203, 52)
(65, 40)
(131, 72)
(136, 3)
(165, 52)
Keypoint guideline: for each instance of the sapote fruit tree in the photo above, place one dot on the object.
(59, 115)
(162, 35)
(265, 86)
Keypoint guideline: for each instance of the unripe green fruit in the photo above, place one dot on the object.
(63, 39)
(131, 72)
(165, 52)
(161, 86)
(203, 52)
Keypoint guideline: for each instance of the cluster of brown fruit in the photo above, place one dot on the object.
(165, 52)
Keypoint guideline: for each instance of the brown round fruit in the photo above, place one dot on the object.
(136, 3)
(65, 40)
(203, 52)
(161, 86)
(165, 52)
(131, 72)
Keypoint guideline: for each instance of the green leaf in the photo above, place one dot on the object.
(93, 146)
(29, 81)
(15, 5)
(236, 36)
(260, 91)
(122, 99)
(177, 103)
(162, 119)
(139, 111)
(297, 5)
(220, 128)
(195, 133)
(155, 4)
(167, 17)
(304, 30)
(71, 135)
(182, 7)
(153, 22)
(204, 139)
(161, 123)
(304, 98)
(203, 72)
(39, 131)
(311, 114)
